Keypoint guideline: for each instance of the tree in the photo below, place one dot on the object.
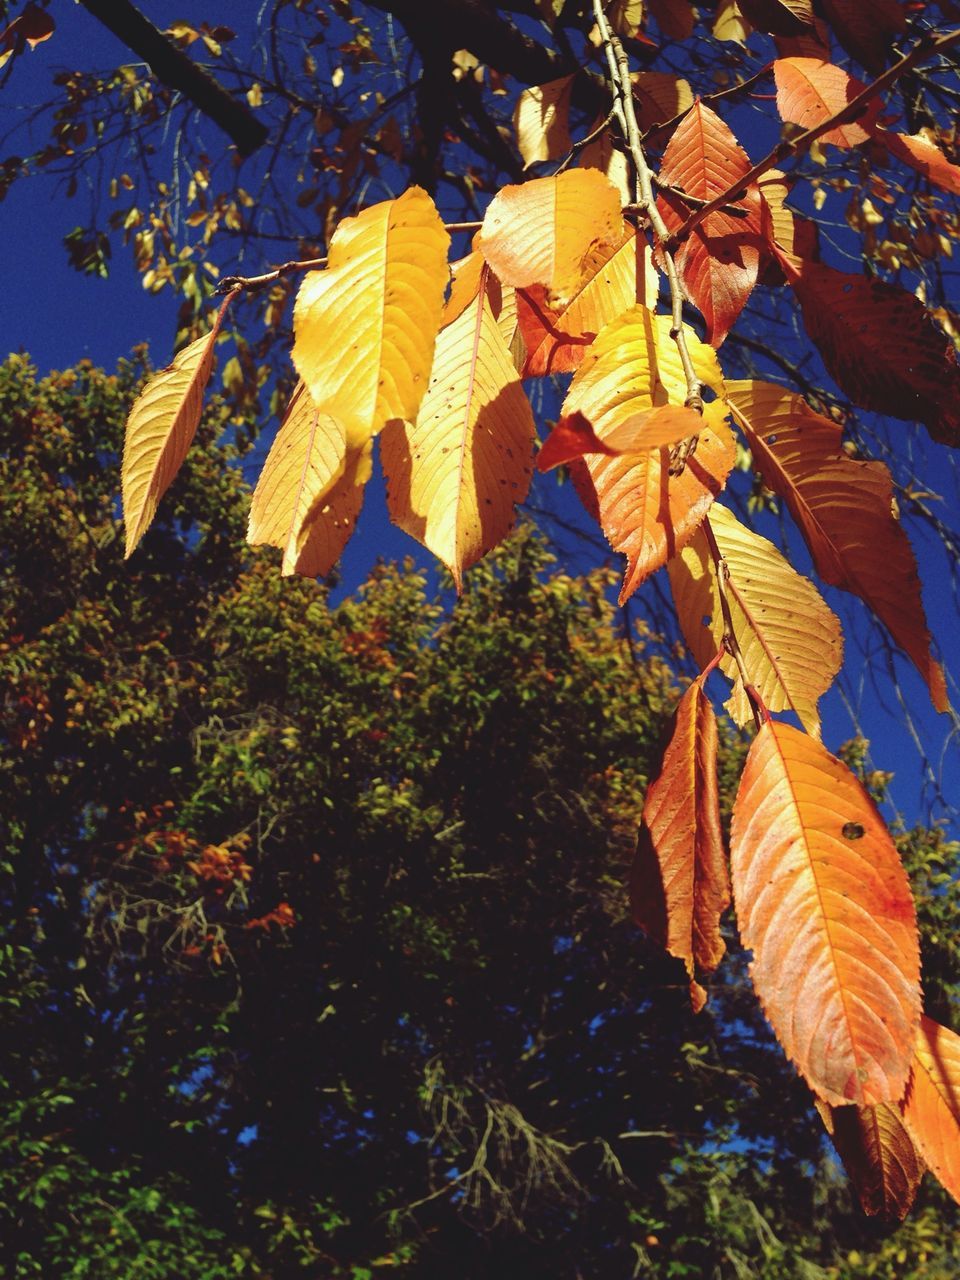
(563, 278)
(316, 958)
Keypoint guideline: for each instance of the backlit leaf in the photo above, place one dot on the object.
(829, 919)
(878, 1155)
(789, 639)
(614, 280)
(455, 475)
(931, 1109)
(787, 233)
(731, 23)
(881, 346)
(718, 262)
(574, 437)
(679, 885)
(625, 16)
(541, 120)
(810, 92)
(160, 430)
(365, 326)
(659, 97)
(544, 231)
(922, 155)
(645, 512)
(333, 518)
(843, 508)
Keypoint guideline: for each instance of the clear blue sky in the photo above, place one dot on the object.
(59, 316)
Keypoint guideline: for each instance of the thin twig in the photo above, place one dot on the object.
(579, 145)
(796, 146)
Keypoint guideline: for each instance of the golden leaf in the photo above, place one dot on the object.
(541, 121)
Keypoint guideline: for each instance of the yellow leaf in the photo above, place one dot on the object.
(304, 465)
(365, 327)
(544, 231)
(541, 120)
(824, 904)
(625, 16)
(931, 1108)
(255, 95)
(730, 24)
(332, 519)
(454, 477)
(160, 430)
(789, 639)
(843, 508)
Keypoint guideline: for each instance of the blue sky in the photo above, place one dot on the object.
(59, 316)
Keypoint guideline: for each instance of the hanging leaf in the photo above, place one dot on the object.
(810, 92)
(574, 437)
(544, 231)
(305, 463)
(919, 153)
(881, 346)
(718, 262)
(625, 16)
(878, 1155)
(787, 234)
(866, 28)
(364, 328)
(332, 519)
(160, 430)
(931, 1109)
(731, 23)
(779, 17)
(501, 298)
(824, 904)
(645, 512)
(789, 639)
(614, 279)
(455, 475)
(674, 18)
(679, 885)
(659, 97)
(541, 121)
(844, 509)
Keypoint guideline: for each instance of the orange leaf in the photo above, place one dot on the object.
(574, 437)
(843, 508)
(824, 904)
(455, 475)
(878, 1155)
(160, 430)
(881, 346)
(541, 121)
(922, 155)
(810, 92)
(718, 262)
(678, 883)
(644, 511)
(614, 279)
(365, 327)
(789, 640)
(931, 1108)
(544, 231)
(787, 234)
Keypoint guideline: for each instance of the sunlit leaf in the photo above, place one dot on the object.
(332, 519)
(365, 326)
(878, 1155)
(625, 16)
(455, 475)
(544, 231)
(540, 120)
(679, 885)
(160, 430)
(731, 23)
(719, 260)
(924, 156)
(844, 509)
(824, 904)
(810, 92)
(789, 639)
(574, 437)
(931, 1109)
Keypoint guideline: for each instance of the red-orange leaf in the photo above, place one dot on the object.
(931, 1109)
(924, 156)
(574, 437)
(824, 904)
(719, 260)
(881, 346)
(810, 91)
(679, 885)
(878, 1155)
(843, 508)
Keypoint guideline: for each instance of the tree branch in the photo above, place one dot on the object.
(173, 68)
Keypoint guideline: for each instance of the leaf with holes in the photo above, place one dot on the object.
(790, 641)
(679, 885)
(455, 475)
(878, 1155)
(541, 121)
(931, 1108)
(365, 327)
(809, 92)
(844, 509)
(615, 278)
(829, 918)
(544, 231)
(718, 262)
(160, 430)
(881, 346)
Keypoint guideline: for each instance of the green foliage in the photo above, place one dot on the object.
(315, 958)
